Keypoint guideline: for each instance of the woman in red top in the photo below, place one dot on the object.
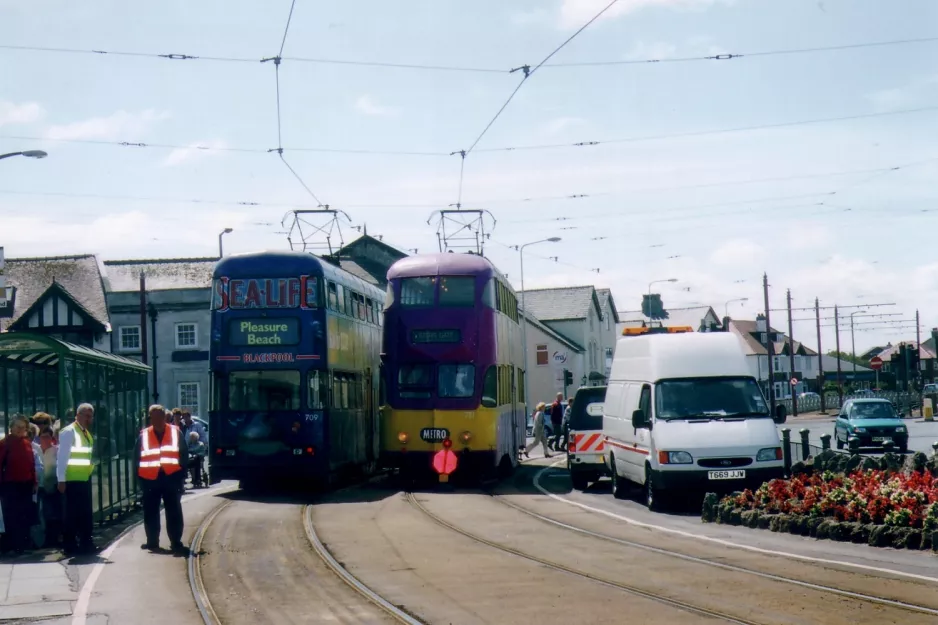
(17, 484)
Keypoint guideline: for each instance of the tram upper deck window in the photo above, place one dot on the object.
(264, 390)
(417, 291)
(457, 291)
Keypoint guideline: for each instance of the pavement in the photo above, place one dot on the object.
(46, 585)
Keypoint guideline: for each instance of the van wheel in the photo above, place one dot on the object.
(653, 498)
(580, 480)
(618, 488)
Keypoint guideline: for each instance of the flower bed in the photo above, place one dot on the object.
(894, 504)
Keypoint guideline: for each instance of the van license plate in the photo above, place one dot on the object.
(726, 475)
(882, 439)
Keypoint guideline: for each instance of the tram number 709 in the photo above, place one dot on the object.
(434, 435)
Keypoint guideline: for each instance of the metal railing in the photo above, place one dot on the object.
(904, 402)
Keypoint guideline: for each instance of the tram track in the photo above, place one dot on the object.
(605, 581)
(210, 615)
(719, 565)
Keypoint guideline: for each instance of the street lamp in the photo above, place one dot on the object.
(726, 306)
(26, 153)
(223, 233)
(659, 281)
(524, 322)
(853, 345)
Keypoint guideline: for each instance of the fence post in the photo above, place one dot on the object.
(786, 449)
(825, 442)
(853, 443)
(934, 447)
(805, 449)
(888, 447)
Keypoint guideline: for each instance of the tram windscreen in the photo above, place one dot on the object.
(264, 390)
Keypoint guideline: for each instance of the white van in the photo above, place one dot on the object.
(684, 412)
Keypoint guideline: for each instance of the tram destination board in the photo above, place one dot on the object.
(435, 336)
(264, 332)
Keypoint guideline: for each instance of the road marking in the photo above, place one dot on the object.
(80, 614)
(720, 541)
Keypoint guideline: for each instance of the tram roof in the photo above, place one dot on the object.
(441, 265)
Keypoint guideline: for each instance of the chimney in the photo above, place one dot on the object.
(760, 323)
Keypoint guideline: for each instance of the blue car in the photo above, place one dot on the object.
(872, 421)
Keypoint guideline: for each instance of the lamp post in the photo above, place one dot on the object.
(220, 248)
(853, 345)
(524, 322)
(26, 153)
(726, 306)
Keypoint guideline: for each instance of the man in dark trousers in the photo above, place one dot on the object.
(160, 456)
(73, 474)
(556, 420)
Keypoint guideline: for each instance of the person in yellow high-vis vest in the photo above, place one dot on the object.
(73, 472)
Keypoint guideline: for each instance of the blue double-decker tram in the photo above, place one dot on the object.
(295, 368)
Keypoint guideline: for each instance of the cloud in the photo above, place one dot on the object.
(559, 124)
(119, 125)
(367, 106)
(25, 113)
(914, 93)
(575, 13)
(738, 252)
(194, 150)
(642, 51)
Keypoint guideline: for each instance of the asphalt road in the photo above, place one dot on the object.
(921, 434)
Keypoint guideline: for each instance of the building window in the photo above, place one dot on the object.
(187, 396)
(591, 320)
(608, 323)
(609, 353)
(187, 335)
(765, 338)
(542, 356)
(130, 338)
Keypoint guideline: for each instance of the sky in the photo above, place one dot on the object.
(817, 168)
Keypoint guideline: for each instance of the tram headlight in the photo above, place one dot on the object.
(403, 437)
(465, 437)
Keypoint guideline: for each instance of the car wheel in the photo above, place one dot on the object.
(904, 448)
(840, 443)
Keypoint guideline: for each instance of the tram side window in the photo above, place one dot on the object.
(361, 308)
(490, 388)
(264, 390)
(488, 294)
(317, 390)
(456, 380)
(457, 291)
(370, 310)
(417, 291)
(353, 311)
(521, 396)
(333, 297)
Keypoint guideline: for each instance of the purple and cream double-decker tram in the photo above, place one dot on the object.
(453, 367)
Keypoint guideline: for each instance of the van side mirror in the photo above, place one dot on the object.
(781, 413)
(639, 420)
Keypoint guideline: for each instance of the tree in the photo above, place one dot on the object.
(848, 358)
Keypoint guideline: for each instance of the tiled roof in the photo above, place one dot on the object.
(561, 304)
(608, 304)
(372, 274)
(80, 276)
(925, 351)
(747, 329)
(161, 274)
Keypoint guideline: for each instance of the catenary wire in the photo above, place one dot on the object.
(286, 29)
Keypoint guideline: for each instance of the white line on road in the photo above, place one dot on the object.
(720, 541)
(80, 614)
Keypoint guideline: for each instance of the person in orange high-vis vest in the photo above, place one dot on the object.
(160, 456)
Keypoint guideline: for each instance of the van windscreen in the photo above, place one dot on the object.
(709, 398)
(587, 412)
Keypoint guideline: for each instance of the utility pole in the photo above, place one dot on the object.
(840, 385)
(791, 359)
(820, 354)
(770, 347)
(918, 344)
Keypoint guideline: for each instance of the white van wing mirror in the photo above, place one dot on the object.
(639, 420)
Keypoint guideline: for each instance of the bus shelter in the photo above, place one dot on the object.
(42, 374)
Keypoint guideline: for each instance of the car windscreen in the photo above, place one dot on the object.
(873, 410)
(709, 398)
(587, 412)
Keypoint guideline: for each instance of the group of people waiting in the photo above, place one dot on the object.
(559, 414)
(45, 479)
